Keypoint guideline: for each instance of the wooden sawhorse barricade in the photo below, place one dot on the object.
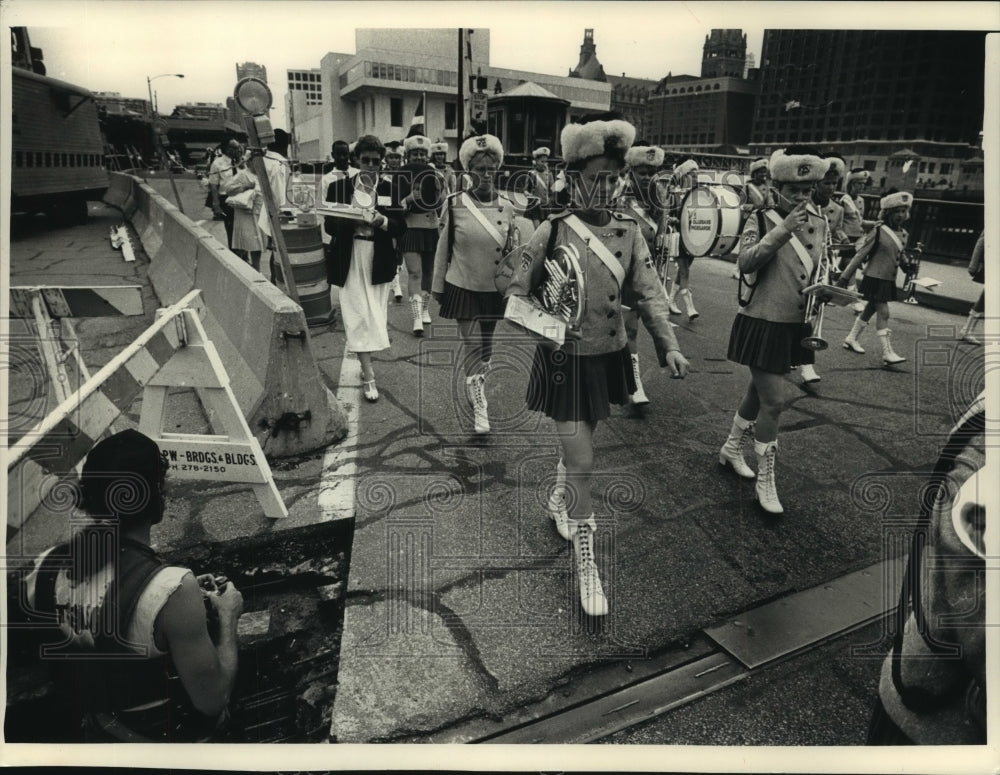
(173, 352)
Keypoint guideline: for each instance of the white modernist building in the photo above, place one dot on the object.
(378, 89)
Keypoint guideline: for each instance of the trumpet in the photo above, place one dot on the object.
(817, 301)
(513, 240)
(667, 250)
(911, 267)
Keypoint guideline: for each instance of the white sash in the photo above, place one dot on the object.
(848, 202)
(892, 235)
(483, 220)
(641, 213)
(796, 243)
(592, 242)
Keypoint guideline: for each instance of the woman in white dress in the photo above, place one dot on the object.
(246, 240)
(361, 257)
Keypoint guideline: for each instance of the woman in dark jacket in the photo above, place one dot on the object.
(361, 258)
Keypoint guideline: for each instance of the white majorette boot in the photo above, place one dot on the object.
(851, 340)
(425, 309)
(591, 590)
(767, 492)
(674, 309)
(889, 356)
(475, 388)
(639, 396)
(732, 451)
(809, 373)
(415, 313)
(968, 332)
(684, 294)
(397, 291)
(557, 504)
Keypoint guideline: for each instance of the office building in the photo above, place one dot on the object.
(308, 81)
(377, 90)
(871, 94)
(707, 115)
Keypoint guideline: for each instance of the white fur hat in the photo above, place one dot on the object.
(758, 164)
(540, 152)
(480, 144)
(899, 199)
(395, 148)
(797, 168)
(644, 155)
(685, 168)
(837, 168)
(587, 141)
(439, 148)
(417, 141)
(858, 175)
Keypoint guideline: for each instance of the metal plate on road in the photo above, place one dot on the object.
(631, 706)
(602, 681)
(785, 626)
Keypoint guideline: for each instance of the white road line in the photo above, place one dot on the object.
(336, 485)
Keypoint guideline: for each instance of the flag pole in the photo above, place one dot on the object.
(460, 108)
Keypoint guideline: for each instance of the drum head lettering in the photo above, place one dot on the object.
(709, 220)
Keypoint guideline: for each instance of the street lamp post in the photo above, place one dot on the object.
(149, 86)
(158, 131)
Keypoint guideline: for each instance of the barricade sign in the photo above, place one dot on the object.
(173, 352)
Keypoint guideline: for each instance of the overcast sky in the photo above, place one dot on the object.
(113, 45)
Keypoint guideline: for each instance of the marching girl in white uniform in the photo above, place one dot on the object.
(639, 202)
(475, 227)
(883, 248)
(575, 383)
(780, 250)
(684, 178)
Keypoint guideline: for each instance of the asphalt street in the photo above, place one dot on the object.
(460, 601)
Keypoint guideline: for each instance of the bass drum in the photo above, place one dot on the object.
(710, 220)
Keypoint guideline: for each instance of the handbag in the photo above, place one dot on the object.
(243, 200)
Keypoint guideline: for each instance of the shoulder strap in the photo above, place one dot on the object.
(483, 220)
(800, 249)
(892, 236)
(136, 565)
(598, 247)
(916, 698)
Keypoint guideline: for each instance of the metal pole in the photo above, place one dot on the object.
(461, 89)
(257, 164)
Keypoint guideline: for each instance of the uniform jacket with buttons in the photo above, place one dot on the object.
(835, 217)
(602, 330)
(469, 258)
(854, 211)
(781, 275)
(883, 262)
(647, 221)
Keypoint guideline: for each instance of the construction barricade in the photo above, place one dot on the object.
(261, 335)
(175, 351)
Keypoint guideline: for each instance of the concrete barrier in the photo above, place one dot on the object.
(120, 193)
(261, 335)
